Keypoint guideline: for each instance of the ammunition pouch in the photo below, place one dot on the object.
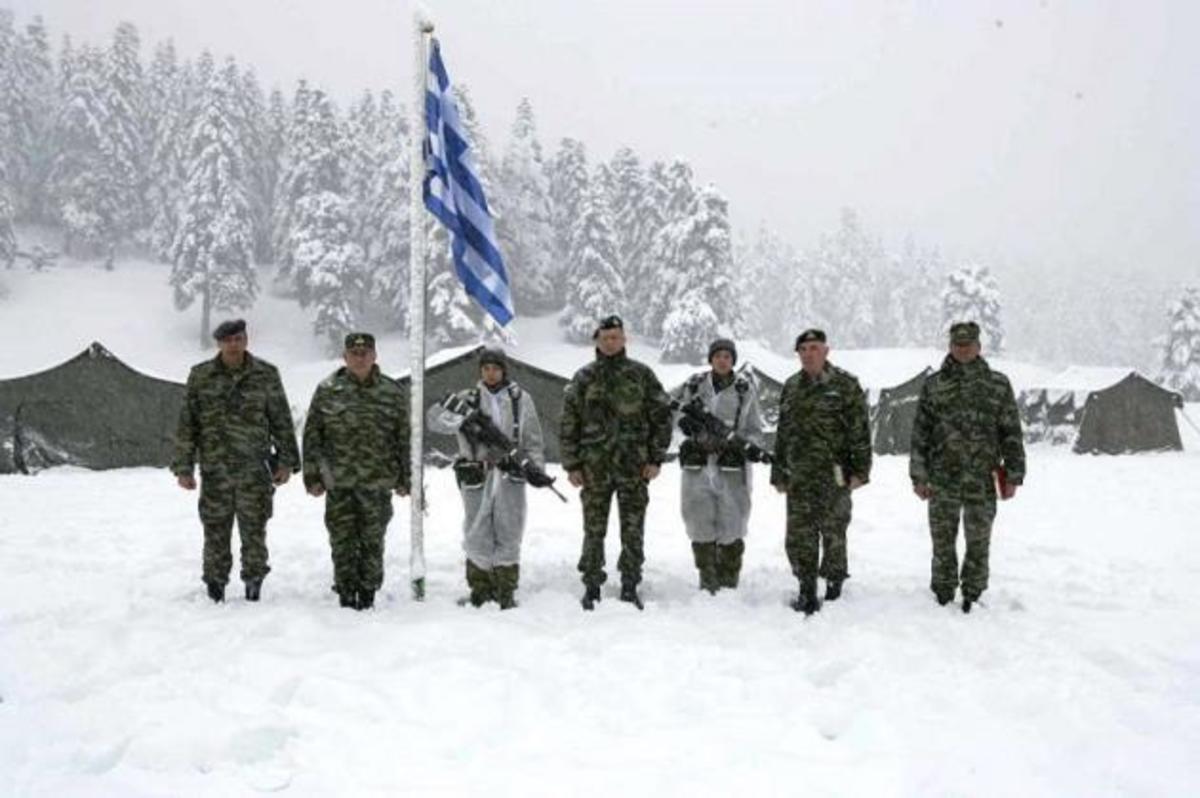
(731, 458)
(469, 474)
(692, 455)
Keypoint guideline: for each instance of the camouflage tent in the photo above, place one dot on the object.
(92, 411)
(454, 370)
(1134, 415)
(893, 415)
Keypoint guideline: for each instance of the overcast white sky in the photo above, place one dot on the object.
(1027, 131)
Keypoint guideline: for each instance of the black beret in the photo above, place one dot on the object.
(610, 322)
(722, 344)
(360, 339)
(229, 328)
(811, 334)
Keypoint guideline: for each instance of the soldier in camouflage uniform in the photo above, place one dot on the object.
(616, 426)
(715, 485)
(493, 500)
(822, 453)
(236, 423)
(966, 442)
(356, 454)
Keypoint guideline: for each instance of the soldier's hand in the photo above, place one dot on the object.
(650, 471)
(856, 483)
(923, 491)
(575, 478)
(317, 490)
(1009, 491)
(186, 481)
(282, 475)
(780, 487)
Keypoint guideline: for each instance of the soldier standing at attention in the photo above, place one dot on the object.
(966, 445)
(236, 423)
(822, 453)
(356, 455)
(493, 501)
(715, 485)
(616, 427)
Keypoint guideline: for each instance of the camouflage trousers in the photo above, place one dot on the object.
(816, 532)
(976, 506)
(632, 497)
(248, 498)
(357, 523)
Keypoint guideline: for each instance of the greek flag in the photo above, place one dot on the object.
(454, 195)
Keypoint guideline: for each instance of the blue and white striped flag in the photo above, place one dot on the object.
(454, 195)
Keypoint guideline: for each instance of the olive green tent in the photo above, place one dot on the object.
(1134, 415)
(457, 369)
(893, 415)
(91, 411)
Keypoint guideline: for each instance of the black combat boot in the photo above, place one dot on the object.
(806, 601)
(591, 597)
(705, 555)
(629, 593)
(253, 589)
(366, 600)
(967, 603)
(833, 589)
(348, 598)
(944, 598)
(729, 563)
(216, 591)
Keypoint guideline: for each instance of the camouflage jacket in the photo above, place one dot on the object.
(234, 419)
(824, 435)
(966, 425)
(356, 433)
(616, 415)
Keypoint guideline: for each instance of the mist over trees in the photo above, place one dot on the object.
(130, 149)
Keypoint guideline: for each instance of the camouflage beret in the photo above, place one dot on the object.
(964, 332)
(360, 339)
(811, 334)
(229, 328)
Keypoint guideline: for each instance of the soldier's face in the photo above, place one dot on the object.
(609, 342)
(491, 374)
(965, 352)
(722, 363)
(359, 360)
(233, 347)
(813, 355)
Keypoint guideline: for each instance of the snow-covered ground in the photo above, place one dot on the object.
(1080, 674)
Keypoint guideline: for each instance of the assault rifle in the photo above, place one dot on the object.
(697, 418)
(482, 431)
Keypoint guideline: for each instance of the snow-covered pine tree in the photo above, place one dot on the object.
(627, 187)
(971, 294)
(125, 141)
(567, 184)
(329, 263)
(914, 309)
(526, 233)
(594, 286)
(252, 124)
(28, 101)
(214, 244)
(641, 269)
(313, 165)
(842, 272)
(385, 220)
(1181, 353)
(166, 168)
(662, 283)
(275, 127)
(706, 303)
(8, 239)
(766, 268)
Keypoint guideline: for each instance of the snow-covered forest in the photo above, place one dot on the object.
(129, 148)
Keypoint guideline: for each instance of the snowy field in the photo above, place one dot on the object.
(1079, 674)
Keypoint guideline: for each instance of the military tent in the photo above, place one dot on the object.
(893, 415)
(456, 369)
(91, 411)
(1134, 415)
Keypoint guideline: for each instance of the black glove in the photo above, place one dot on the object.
(690, 426)
(537, 478)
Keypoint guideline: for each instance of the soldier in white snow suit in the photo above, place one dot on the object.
(715, 486)
(493, 501)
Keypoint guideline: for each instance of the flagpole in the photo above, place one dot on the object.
(422, 28)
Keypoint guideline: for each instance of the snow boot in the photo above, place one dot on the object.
(482, 584)
(729, 563)
(253, 589)
(833, 589)
(216, 591)
(629, 594)
(944, 598)
(591, 597)
(966, 605)
(705, 555)
(366, 600)
(806, 600)
(348, 598)
(505, 578)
